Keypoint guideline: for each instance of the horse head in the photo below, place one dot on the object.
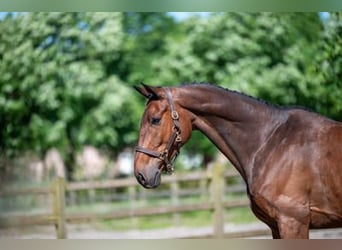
(165, 127)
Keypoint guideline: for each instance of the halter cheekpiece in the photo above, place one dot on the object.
(167, 156)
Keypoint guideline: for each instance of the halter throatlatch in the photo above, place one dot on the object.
(167, 156)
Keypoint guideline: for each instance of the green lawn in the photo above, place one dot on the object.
(188, 219)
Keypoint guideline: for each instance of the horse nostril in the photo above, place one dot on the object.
(141, 178)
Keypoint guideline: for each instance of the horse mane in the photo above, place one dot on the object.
(255, 99)
(271, 105)
(210, 85)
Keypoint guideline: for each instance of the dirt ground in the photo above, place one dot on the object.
(88, 231)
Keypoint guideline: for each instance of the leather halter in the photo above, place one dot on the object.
(175, 141)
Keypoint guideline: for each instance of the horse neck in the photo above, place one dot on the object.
(238, 125)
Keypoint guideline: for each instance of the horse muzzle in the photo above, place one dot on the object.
(149, 179)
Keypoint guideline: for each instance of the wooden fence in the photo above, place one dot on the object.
(56, 217)
(60, 218)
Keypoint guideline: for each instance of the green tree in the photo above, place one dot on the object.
(59, 85)
(146, 35)
(65, 77)
(327, 70)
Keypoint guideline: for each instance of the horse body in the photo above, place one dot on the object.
(297, 175)
(290, 159)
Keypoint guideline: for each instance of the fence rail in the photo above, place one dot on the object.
(116, 183)
(60, 218)
(57, 216)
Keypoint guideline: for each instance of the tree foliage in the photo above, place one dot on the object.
(58, 84)
(65, 77)
(248, 52)
(144, 43)
(327, 70)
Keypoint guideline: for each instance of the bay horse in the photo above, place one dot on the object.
(289, 158)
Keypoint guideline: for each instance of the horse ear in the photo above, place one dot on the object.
(147, 91)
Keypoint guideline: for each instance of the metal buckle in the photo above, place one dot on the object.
(163, 155)
(174, 115)
(178, 138)
(169, 169)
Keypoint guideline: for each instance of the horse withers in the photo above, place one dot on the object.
(289, 158)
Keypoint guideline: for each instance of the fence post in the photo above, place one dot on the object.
(203, 187)
(217, 195)
(175, 201)
(132, 192)
(58, 191)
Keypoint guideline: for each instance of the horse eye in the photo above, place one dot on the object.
(155, 121)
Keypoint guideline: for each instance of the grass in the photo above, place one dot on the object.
(188, 219)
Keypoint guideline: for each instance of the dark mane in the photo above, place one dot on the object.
(232, 91)
(272, 105)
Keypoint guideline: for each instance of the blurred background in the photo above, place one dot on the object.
(68, 109)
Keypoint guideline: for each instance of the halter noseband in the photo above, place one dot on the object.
(166, 156)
